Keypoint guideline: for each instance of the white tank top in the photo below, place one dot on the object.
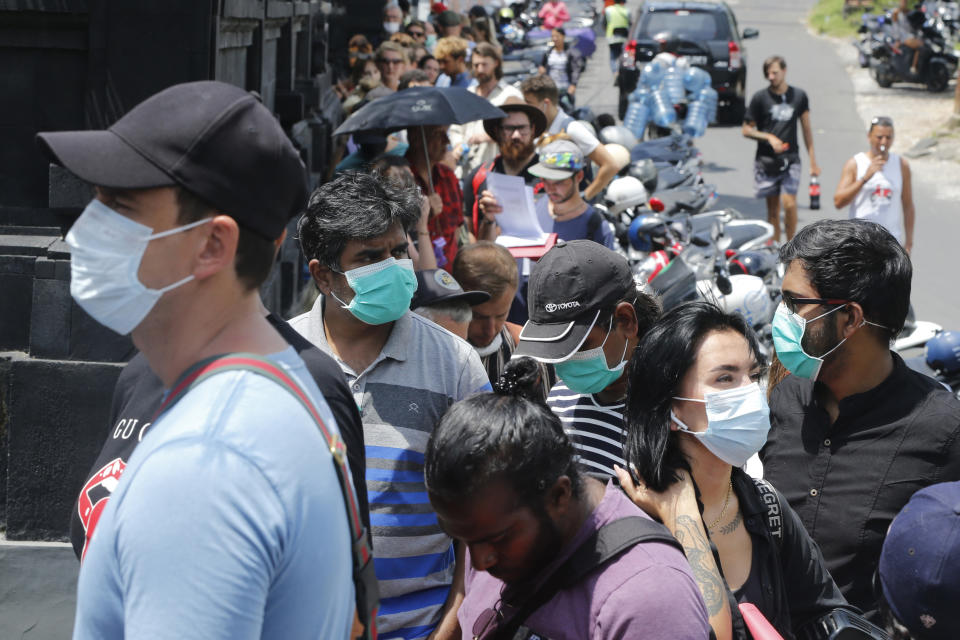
(880, 199)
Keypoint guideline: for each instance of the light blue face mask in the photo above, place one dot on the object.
(382, 291)
(738, 421)
(587, 371)
(431, 41)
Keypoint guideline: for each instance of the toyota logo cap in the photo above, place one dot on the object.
(569, 287)
(212, 138)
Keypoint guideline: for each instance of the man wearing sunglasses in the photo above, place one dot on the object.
(877, 186)
(854, 431)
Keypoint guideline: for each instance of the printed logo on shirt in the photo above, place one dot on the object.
(781, 112)
(94, 496)
(550, 307)
(881, 195)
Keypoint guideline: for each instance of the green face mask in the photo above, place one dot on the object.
(587, 371)
(382, 291)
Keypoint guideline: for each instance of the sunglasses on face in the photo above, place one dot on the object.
(416, 34)
(793, 302)
(391, 61)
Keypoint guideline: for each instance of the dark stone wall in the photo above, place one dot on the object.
(57, 418)
(82, 64)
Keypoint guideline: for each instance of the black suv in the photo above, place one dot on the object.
(704, 32)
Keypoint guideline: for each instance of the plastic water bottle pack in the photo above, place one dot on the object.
(666, 81)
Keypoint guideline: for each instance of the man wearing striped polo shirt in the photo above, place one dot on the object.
(404, 371)
(586, 317)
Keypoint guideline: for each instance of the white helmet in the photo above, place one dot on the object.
(618, 134)
(749, 297)
(621, 157)
(624, 193)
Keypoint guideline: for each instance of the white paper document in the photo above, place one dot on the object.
(519, 225)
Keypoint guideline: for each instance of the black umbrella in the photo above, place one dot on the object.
(420, 107)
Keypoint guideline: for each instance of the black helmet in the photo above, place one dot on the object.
(646, 172)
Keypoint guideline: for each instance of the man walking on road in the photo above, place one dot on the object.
(617, 19)
(771, 120)
(877, 185)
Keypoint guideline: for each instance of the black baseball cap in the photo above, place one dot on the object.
(212, 138)
(569, 287)
(436, 285)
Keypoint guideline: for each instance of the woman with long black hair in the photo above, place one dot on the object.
(695, 412)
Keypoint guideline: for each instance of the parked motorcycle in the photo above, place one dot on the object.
(891, 61)
(941, 360)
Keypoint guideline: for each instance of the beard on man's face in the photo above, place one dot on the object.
(820, 337)
(516, 150)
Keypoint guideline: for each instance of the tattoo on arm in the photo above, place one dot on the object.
(690, 534)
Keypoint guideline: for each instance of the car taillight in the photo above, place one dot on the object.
(736, 59)
(628, 58)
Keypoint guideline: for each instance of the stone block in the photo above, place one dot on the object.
(58, 417)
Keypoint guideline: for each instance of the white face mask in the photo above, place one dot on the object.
(105, 253)
(737, 423)
(391, 27)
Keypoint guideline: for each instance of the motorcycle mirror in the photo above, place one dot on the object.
(724, 285)
(656, 204)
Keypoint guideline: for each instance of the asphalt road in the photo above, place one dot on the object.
(839, 133)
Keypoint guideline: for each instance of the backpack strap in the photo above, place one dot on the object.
(362, 553)
(604, 545)
(479, 177)
(771, 500)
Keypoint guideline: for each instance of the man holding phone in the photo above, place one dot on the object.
(876, 185)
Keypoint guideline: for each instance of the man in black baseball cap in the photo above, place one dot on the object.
(586, 316)
(440, 298)
(232, 501)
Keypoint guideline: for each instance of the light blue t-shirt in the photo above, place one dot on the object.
(228, 522)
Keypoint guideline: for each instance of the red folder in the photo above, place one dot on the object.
(759, 627)
(536, 251)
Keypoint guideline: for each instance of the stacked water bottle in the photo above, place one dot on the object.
(665, 81)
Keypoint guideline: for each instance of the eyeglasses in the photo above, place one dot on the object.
(416, 34)
(391, 61)
(792, 302)
(511, 129)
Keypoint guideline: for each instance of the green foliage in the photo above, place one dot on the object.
(827, 17)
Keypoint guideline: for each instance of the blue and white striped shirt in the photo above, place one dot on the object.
(420, 372)
(596, 429)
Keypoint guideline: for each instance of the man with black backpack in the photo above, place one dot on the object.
(552, 552)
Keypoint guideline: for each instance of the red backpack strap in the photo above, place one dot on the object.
(363, 571)
(478, 179)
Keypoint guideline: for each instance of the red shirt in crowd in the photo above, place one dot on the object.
(448, 221)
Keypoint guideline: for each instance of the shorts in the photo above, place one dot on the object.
(786, 181)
